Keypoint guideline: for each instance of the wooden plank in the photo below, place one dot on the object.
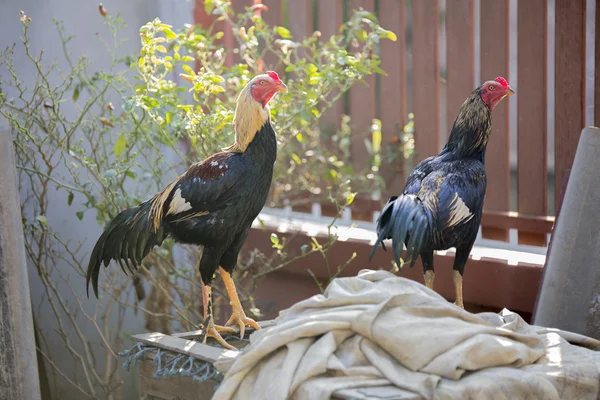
(569, 86)
(511, 220)
(488, 282)
(19, 375)
(329, 19)
(175, 387)
(460, 49)
(597, 68)
(300, 20)
(426, 77)
(197, 333)
(273, 17)
(189, 347)
(392, 92)
(362, 105)
(239, 7)
(531, 89)
(494, 62)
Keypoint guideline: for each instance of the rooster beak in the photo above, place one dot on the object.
(510, 92)
(282, 88)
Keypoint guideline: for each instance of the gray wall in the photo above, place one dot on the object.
(82, 19)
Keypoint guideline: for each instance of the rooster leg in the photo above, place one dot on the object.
(238, 315)
(457, 278)
(210, 329)
(429, 278)
(429, 275)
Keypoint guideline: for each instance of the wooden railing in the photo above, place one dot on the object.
(436, 63)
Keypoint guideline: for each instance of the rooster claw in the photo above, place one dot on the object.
(242, 321)
(213, 332)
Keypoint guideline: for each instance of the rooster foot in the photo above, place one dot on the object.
(239, 317)
(213, 331)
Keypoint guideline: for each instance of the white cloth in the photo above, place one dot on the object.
(380, 336)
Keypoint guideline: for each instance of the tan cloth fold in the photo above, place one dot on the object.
(380, 336)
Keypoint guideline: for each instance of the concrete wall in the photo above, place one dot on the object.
(81, 19)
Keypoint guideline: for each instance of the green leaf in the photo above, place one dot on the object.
(161, 48)
(311, 68)
(361, 35)
(300, 137)
(296, 158)
(169, 34)
(185, 58)
(219, 35)
(208, 6)
(42, 219)
(109, 173)
(128, 106)
(188, 69)
(377, 141)
(283, 32)
(350, 198)
(76, 93)
(274, 239)
(79, 215)
(392, 36)
(120, 145)
(70, 198)
(141, 62)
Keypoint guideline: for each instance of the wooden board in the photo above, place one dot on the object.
(569, 81)
(494, 62)
(184, 346)
(597, 68)
(531, 89)
(329, 19)
(460, 23)
(426, 77)
(392, 92)
(362, 104)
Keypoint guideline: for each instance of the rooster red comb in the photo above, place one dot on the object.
(502, 81)
(273, 75)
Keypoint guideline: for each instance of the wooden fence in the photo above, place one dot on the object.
(444, 49)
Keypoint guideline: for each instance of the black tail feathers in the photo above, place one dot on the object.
(127, 239)
(405, 221)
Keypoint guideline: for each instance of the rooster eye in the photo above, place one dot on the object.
(492, 87)
(263, 83)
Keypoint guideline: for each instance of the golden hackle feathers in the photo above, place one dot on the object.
(249, 117)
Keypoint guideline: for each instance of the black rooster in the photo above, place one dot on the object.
(442, 201)
(213, 205)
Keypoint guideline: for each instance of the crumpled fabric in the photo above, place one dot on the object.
(377, 335)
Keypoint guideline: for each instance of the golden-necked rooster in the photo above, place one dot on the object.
(213, 205)
(442, 201)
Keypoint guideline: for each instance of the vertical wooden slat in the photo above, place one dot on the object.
(300, 18)
(569, 86)
(531, 89)
(329, 19)
(459, 55)
(238, 6)
(426, 77)
(362, 104)
(274, 16)
(494, 62)
(392, 90)
(597, 68)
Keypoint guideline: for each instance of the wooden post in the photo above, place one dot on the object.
(19, 379)
(569, 297)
